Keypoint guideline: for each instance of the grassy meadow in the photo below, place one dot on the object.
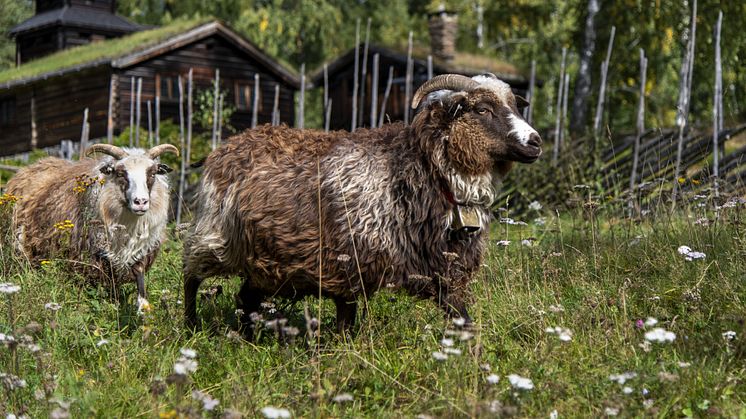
(568, 309)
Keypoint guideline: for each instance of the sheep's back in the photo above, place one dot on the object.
(47, 196)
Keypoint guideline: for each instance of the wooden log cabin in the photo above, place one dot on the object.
(445, 59)
(42, 101)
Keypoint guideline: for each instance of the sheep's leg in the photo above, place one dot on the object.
(346, 311)
(140, 277)
(191, 285)
(248, 300)
(456, 309)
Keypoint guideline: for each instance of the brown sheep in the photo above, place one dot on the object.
(398, 206)
(107, 216)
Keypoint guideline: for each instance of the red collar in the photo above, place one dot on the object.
(448, 193)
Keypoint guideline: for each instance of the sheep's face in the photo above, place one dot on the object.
(134, 176)
(485, 130)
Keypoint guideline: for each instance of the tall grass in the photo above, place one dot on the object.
(593, 272)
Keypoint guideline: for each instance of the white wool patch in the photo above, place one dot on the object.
(498, 86)
(521, 129)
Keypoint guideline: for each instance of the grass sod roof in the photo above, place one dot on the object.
(98, 52)
(104, 52)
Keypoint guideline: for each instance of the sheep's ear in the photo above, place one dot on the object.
(521, 102)
(164, 169)
(106, 169)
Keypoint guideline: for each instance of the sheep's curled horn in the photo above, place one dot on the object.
(163, 148)
(118, 153)
(455, 82)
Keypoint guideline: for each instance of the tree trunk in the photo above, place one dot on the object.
(579, 115)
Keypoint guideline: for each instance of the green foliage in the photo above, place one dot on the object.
(205, 109)
(12, 12)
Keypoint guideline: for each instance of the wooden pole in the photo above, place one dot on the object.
(374, 92)
(364, 76)
(328, 115)
(276, 106)
(138, 112)
(150, 125)
(327, 106)
(386, 93)
(354, 77)
(558, 119)
(182, 169)
(429, 67)
(717, 107)
(565, 95)
(640, 120)
(302, 100)
(220, 118)
(684, 96)
(34, 132)
(109, 116)
(408, 80)
(530, 94)
(215, 99)
(132, 111)
(83, 135)
(255, 105)
(158, 120)
(602, 88)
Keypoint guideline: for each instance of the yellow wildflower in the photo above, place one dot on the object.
(171, 414)
(263, 24)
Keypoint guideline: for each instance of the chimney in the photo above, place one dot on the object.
(443, 27)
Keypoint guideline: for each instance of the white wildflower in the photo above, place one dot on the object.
(623, 377)
(527, 242)
(565, 335)
(684, 364)
(184, 366)
(511, 221)
(553, 414)
(459, 321)
(446, 342)
(102, 342)
(493, 378)
(611, 411)
(690, 254)
(8, 288)
(556, 308)
(6, 339)
(729, 335)
(660, 335)
(651, 321)
(452, 351)
(503, 243)
(208, 403)
(627, 390)
(465, 335)
(188, 353)
(540, 221)
(52, 306)
(485, 367)
(520, 383)
(534, 206)
(439, 356)
(343, 398)
(271, 412)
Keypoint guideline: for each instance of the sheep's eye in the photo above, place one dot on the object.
(120, 174)
(483, 111)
